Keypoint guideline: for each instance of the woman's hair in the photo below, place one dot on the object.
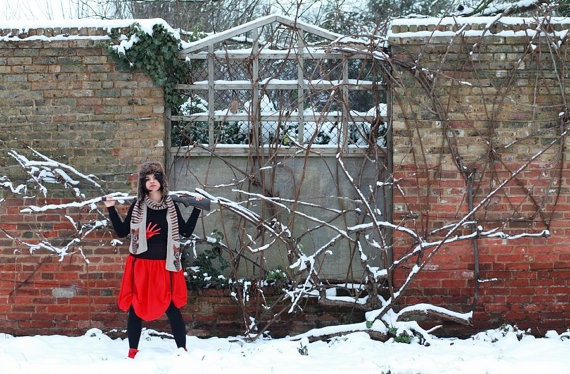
(151, 167)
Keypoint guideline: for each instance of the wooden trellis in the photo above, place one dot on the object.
(278, 79)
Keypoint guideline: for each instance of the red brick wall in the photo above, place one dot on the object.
(523, 281)
(41, 295)
(41, 292)
(67, 100)
(486, 105)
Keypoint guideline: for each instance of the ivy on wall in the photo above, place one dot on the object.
(156, 54)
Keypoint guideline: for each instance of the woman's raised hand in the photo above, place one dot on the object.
(109, 201)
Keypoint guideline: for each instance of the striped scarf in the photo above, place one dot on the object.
(138, 230)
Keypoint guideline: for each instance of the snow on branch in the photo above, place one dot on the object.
(47, 170)
(74, 204)
(6, 183)
(61, 251)
(434, 312)
(44, 171)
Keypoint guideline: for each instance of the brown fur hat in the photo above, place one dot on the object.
(156, 168)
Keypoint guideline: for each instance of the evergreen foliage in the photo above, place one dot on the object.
(564, 8)
(157, 55)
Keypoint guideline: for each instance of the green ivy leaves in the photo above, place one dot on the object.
(156, 55)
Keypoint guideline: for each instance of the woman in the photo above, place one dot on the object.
(153, 282)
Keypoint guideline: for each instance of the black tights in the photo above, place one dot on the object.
(134, 327)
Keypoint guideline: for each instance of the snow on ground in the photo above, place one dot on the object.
(494, 351)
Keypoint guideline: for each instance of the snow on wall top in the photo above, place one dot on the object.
(474, 20)
(26, 30)
(476, 26)
(72, 29)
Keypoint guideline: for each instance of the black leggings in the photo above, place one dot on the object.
(134, 327)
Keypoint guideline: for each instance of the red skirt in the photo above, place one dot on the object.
(149, 288)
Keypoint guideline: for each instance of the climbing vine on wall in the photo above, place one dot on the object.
(154, 53)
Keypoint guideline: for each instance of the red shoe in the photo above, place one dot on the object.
(133, 352)
(180, 351)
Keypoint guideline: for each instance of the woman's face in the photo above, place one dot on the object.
(152, 183)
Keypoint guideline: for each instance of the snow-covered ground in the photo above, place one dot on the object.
(495, 351)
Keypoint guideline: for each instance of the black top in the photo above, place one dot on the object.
(157, 228)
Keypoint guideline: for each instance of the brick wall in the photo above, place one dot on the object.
(61, 95)
(490, 98)
(65, 98)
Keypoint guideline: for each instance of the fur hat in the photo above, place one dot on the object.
(151, 167)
